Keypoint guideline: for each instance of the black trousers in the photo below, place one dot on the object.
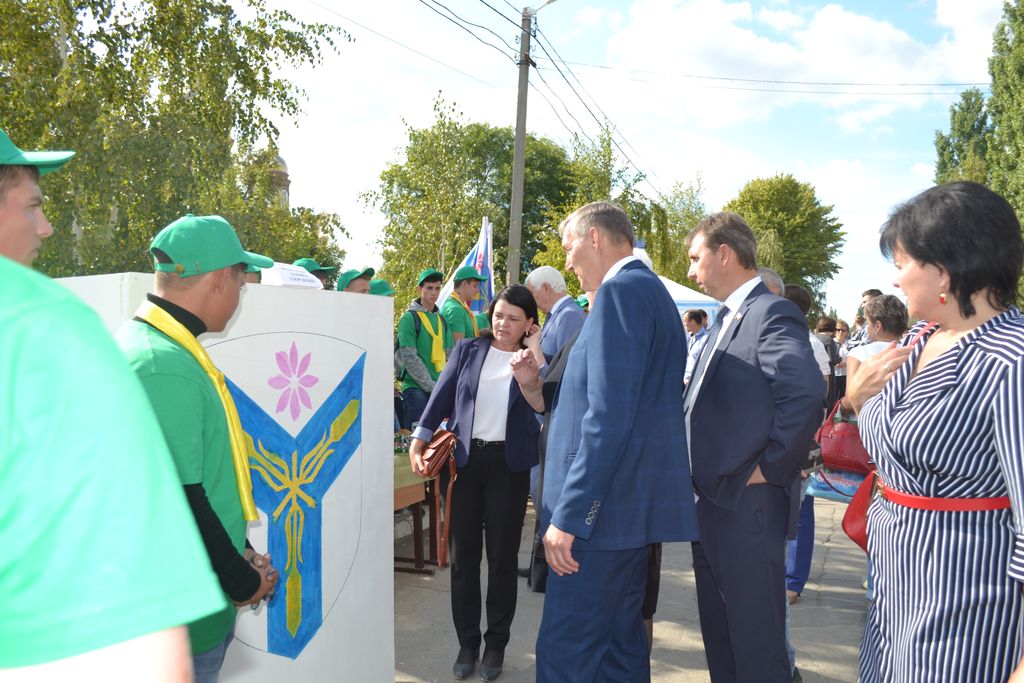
(488, 506)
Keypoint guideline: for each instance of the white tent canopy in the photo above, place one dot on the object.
(687, 298)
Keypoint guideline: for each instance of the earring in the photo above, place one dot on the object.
(942, 298)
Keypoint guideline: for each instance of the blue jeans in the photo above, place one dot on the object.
(415, 404)
(206, 665)
(798, 560)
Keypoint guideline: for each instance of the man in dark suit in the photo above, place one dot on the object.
(616, 475)
(751, 408)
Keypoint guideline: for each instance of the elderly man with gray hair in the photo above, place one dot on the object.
(563, 318)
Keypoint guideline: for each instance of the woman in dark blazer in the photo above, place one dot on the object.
(497, 433)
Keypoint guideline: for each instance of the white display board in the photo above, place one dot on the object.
(311, 373)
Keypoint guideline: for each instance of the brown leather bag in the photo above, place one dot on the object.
(438, 453)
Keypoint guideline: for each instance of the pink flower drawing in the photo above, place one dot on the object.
(293, 381)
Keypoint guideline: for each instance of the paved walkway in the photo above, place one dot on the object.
(827, 621)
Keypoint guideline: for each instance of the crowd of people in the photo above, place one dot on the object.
(627, 426)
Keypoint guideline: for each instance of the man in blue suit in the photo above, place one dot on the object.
(616, 477)
(752, 406)
(563, 316)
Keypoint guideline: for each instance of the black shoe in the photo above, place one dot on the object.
(490, 665)
(465, 663)
(797, 678)
(525, 573)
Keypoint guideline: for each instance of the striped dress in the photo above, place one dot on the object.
(948, 584)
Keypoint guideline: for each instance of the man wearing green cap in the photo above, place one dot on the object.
(200, 271)
(424, 341)
(23, 226)
(381, 288)
(89, 519)
(321, 273)
(356, 281)
(456, 309)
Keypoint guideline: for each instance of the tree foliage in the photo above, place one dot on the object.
(1006, 107)
(796, 235)
(164, 103)
(961, 154)
(452, 175)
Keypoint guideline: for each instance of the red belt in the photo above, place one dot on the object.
(941, 504)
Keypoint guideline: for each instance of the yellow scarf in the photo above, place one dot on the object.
(163, 321)
(469, 311)
(437, 357)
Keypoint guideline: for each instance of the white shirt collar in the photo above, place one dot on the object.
(617, 266)
(735, 300)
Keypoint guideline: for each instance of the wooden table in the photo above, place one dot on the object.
(411, 490)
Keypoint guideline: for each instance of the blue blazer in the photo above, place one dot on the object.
(616, 473)
(759, 403)
(454, 397)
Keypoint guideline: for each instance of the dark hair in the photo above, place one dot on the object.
(966, 230)
(436, 277)
(890, 312)
(726, 227)
(825, 324)
(465, 279)
(11, 174)
(871, 292)
(516, 295)
(798, 295)
(697, 315)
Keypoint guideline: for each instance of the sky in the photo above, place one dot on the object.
(845, 96)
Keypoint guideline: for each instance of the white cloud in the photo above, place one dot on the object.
(857, 120)
(780, 20)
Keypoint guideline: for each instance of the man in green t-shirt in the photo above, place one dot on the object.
(90, 511)
(456, 309)
(200, 268)
(424, 341)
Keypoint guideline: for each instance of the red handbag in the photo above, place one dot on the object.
(841, 447)
(855, 521)
(437, 454)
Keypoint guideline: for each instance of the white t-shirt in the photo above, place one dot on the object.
(868, 349)
(492, 396)
(820, 354)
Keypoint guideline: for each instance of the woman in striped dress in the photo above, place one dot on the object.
(943, 418)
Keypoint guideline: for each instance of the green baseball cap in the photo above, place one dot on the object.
(312, 266)
(424, 274)
(381, 288)
(582, 301)
(45, 162)
(201, 244)
(468, 273)
(252, 269)
(349, 275)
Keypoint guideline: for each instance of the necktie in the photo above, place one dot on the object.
(708, 350)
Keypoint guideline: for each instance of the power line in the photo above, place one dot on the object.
(601, 123)
(571, 115)
(500, 13)
(782, 91)
(513, 7)
(554, 110)
(779, 81)
(464, 28)
(480, 26)
(400, 44)
(540, 35)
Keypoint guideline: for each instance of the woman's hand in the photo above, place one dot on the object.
(416, 457)
(870, 377)
(531, 340)
(525, 368)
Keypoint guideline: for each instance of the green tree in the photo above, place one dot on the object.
(452, 175)
(961, 154)
(160, 100)
(796, 235)
(1006, 107)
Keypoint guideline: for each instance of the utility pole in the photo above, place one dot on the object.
(515, 223)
